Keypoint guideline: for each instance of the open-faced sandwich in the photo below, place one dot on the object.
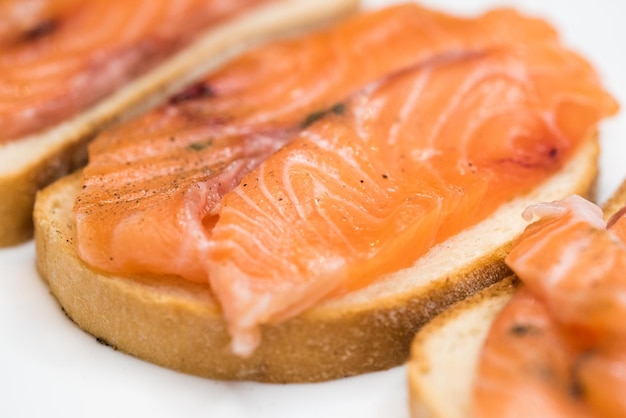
(300, 212)
(69, 68)
(547, 342)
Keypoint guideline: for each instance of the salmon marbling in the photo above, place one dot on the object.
(309, 167)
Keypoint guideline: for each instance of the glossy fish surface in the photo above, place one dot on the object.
(282, 188)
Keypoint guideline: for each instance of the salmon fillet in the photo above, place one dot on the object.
(282, 187)
(59, 57)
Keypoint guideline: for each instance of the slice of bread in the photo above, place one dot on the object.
(30, 163)
(177, 324)
(444, 354)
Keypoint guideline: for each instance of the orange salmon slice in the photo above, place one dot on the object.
(59, 57)
(561, 341)
(282, 187)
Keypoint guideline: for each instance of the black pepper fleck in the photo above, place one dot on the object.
(520, 330)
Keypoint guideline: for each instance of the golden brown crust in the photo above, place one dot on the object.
(18, 190)
(29, 164)
(503, 288)
(177, 324)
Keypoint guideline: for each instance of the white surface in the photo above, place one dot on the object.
(50, 368)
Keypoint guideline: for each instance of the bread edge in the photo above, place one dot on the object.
(60, 150)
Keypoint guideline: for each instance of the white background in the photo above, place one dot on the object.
(48, 367)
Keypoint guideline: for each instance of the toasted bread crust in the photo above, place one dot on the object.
(177, 324)
(18, 189)
(28, 164)
(469, 321)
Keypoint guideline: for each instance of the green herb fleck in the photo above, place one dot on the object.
(312, 118)
(199, 146)
(520, 330)
(338, 109)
